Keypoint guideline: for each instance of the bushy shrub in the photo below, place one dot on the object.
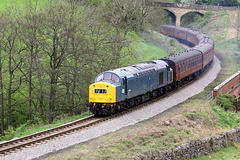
(9, 134)
(226, 101)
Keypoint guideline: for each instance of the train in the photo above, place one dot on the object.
(122, 88)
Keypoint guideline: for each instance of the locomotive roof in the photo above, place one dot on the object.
(182, 56)
(138, 68)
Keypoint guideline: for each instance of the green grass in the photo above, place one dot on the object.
(20, 4)
(145, 50)
(230, 153)
(148, 51)
(27, 129)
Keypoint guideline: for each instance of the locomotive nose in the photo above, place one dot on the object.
(102, 92)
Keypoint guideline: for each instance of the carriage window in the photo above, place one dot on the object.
(107, 76)
(115, 78)
(101, 91)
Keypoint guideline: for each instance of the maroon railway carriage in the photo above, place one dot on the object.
(184, 65)
(192, 36)
(193, 61)
(180, 32)
(207, 50)
(167, 30)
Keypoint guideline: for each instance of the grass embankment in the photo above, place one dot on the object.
(27, 129)
(191, 120)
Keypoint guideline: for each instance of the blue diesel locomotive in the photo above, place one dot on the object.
(122, 88)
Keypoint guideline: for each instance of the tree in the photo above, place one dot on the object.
(30, 36)
(12, 48)
(218, 2)
(123, 15)
(3, 26)
(57, 33)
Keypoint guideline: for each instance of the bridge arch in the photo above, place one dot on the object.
(195, 13)
(173, 16)
(177, 14)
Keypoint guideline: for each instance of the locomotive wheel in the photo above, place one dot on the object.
(119, 108)
(137, 101)
(113, 110)
(160, 92)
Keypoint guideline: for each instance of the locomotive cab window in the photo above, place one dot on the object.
(99, 78)
(115, 78)
(107, 76)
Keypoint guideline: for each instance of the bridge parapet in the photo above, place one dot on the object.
(194, 6)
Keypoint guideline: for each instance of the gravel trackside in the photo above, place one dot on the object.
(123, 121)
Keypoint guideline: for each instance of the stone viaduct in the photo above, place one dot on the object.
(177, 10)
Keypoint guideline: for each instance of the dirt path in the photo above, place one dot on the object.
(232, 31)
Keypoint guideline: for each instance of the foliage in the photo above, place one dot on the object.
(194, 20)
(218, 2)
(9, 134)
(226, 101)
(177, 1)
(226, 119)
(27, 128)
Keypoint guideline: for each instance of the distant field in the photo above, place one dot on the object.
(19, 3)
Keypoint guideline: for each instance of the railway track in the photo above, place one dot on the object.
(18, 144)
(43, 136)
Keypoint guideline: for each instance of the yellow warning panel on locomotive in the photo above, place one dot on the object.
(102, 92)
